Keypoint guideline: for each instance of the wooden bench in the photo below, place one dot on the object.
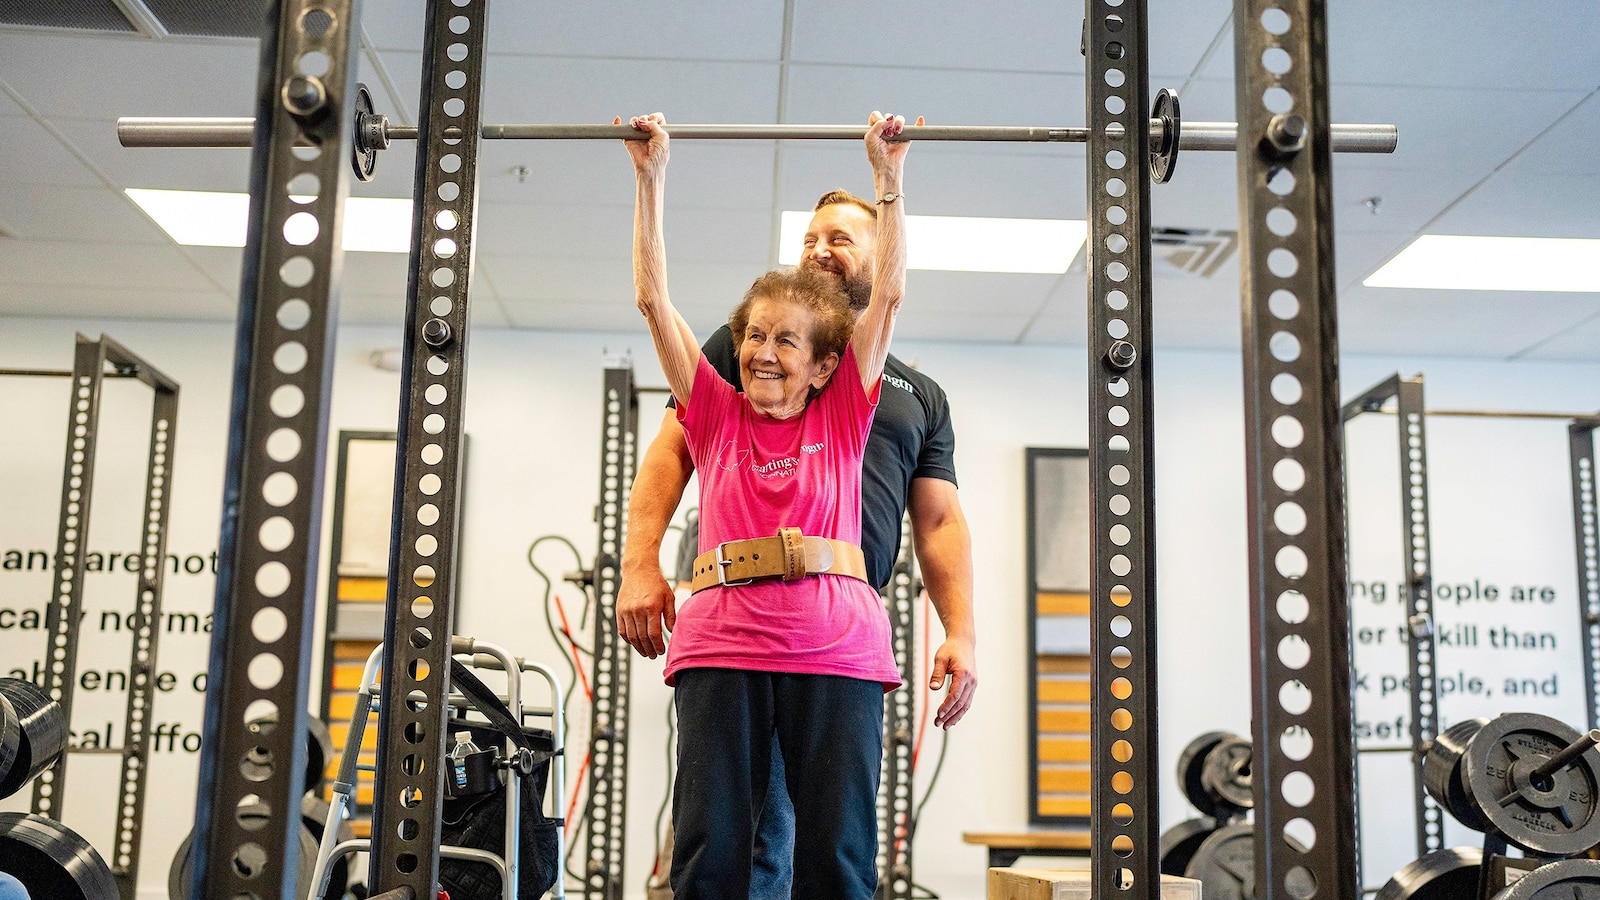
(1046, 884)
(1005, 847)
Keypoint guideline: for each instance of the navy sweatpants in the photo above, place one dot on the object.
(829, 730)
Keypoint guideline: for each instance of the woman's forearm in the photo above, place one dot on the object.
(674, 342)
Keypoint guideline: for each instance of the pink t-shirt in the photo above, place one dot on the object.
(757, 475)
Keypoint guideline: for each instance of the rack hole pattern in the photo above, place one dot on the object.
(1414, 459)
(1588, 556)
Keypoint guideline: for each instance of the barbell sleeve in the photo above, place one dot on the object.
(240, 132)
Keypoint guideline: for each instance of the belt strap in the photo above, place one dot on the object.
(789, 555)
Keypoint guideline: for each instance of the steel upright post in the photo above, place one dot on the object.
(1581, 437)
(895, 802)
(1124, 805)
(1300, 627)
(272, 492)
(608, 714)
(408, 784)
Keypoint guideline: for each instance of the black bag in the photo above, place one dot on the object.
(480, 821)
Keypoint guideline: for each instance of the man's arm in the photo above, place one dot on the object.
(646, 608)
(944, 550)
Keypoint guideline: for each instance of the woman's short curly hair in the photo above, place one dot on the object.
(832, 322)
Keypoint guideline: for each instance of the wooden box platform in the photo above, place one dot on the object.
(1056, 884)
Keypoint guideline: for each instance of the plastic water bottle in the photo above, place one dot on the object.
(458, 757)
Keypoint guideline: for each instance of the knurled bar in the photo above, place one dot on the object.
(408, 788)
(146, 618)
(64, 614)
(608, 716)
(1581, 436)
(1304, 780)
(272, 490)
(896, 784)
(1124, 805)
(1420, 647)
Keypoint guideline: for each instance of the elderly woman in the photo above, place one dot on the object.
(783, 639)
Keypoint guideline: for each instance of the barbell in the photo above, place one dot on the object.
(373, 132)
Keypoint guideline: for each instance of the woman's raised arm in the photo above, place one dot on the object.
(676, 346)
(875, 327)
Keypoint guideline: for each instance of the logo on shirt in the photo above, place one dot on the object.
(732, 458)
(900, 383)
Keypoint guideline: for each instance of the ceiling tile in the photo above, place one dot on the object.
(718, 29)
(605, 233)
(73, 76)
(1493, 46)
(845, 94)
(31, 155)
(1536, 204)
(1558, 151)
(1440, 323)
(135, 266)
(114, 302)
(1579, 341)
(57, 213)
(959, 294)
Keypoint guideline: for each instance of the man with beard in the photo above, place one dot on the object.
(909, 463)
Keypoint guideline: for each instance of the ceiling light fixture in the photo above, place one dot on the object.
(219, 219)
(967, 244)
(1479, 263)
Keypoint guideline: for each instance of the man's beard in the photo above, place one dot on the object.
(859, 290)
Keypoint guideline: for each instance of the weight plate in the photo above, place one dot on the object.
(1225, 864)
(319, 750)
(364, 148)
(43, 735)
(1226, 773)
(1441, 773)
(1441, 875)
(1179, 843)
(254, 817)
(52, 861)
(10, 738)
(1164, 156)
(1567, 879)
(1191, 766)
(1556, 816)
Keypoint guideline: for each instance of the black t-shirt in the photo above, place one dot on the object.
(911, 438)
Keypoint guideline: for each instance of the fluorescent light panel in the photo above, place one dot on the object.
(1476, 263)
(216, 219)
(967, 244)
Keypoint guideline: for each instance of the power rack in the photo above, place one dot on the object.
(1305, 838)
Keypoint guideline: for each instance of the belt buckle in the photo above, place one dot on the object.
(722, 568)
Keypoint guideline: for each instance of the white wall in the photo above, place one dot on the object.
(533, 418)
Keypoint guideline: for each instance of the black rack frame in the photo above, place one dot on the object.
(63, 615)
(1580, 435)
(277, 445)
(896, 785)
(1305, 830)
(1126, 844)
(1124, 810)
(1411, 422)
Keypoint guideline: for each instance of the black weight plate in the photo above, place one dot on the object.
(1441, 875)
(1179, 843)
(1225, 863)
(43, 738)
(1191, 765)
(183, 860)
(52, 861)
(1441, 772)
(314, 812)
(1226, 773)
(1559, 817)
(10, 738)
(1567, 879)
(319, 750)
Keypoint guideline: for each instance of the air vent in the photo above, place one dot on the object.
(1196, 251)
(209, 18)
(79, 15)
(156, 18)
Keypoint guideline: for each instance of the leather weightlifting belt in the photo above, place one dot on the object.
(789, 555)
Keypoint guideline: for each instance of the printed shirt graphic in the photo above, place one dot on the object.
(757, 475)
